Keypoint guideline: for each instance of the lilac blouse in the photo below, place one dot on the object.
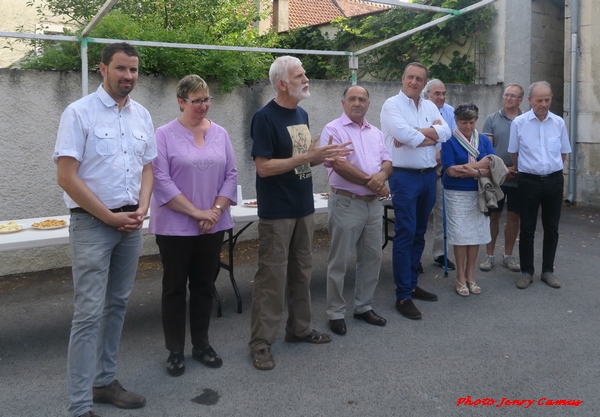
(200, 174)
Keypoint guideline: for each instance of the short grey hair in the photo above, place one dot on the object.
(536, 84)
(280, 69)
(430, 84)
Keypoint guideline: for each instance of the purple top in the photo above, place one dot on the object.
(200, 174)
(369, 150)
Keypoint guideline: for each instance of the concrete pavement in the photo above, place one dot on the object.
(505, 343)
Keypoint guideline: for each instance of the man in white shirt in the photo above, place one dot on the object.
(104, 148)
(412, 127)
(538, 146)
(435, 90)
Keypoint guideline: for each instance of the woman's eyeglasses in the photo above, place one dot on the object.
(198, 103)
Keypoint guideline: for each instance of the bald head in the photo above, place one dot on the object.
(356, 103)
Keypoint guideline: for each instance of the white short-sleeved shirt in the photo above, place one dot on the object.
(540, 144)
(112, 146)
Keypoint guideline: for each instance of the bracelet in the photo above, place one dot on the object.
(479, 172)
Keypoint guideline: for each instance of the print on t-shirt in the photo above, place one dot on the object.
(301, 139)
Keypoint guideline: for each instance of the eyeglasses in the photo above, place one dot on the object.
(198, 103)
(511, 96)
(464, 107)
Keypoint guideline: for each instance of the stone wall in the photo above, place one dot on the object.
(587, 150)
(547, 48)
(33, 101)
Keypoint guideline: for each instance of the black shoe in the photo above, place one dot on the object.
(420, 268)
(338, 326)
(208, 357)
(176, 364)
(420, 294)
(408, 309)
(115, 394)
(89, 414)
(439, 261)
(371, 317)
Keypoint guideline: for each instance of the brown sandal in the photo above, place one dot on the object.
(313, 337)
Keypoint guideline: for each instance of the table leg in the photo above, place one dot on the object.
(231, 242)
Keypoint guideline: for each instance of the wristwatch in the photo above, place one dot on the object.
(217, 206)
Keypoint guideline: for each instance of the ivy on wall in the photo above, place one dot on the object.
(447, 49)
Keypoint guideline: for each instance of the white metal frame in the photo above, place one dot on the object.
(353, 62)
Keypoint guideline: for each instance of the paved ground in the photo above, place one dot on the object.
(505, 343)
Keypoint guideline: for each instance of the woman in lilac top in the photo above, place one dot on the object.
(195, 181)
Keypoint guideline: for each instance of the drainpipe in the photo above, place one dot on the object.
(573, 105)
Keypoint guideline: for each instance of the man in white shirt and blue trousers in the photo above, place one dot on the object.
(412, 127)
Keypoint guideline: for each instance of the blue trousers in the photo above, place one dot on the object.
(413, 198)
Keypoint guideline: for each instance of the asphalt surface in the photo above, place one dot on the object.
(536, 344)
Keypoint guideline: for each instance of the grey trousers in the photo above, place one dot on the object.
(354, 226)
(284, 272)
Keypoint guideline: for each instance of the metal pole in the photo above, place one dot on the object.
(84, 67)
(415, 6)
(573, 105)
(425, 26)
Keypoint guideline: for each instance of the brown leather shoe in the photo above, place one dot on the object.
(524, 281)
(115, 394)
(338, 326)
(420, 294)
(408, 309)
(548, 278)
(371, 317)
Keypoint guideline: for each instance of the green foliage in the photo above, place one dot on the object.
(320, 67)
(230, 22)
(209, 22)
(436, 47)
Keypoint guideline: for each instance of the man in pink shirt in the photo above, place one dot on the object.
(355, 212)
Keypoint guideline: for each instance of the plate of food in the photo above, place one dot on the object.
(252, 203)
(10, 227)
(49, 224)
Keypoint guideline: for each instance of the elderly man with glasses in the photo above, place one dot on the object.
(497, 128)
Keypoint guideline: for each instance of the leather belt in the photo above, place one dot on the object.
(129, 208)
(414, 170)
(541, 177)
(366, 198)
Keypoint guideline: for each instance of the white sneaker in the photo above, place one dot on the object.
(511, 263)
(487, 263)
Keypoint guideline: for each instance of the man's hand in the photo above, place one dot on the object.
(512, 174)
(319, 154)
(126, 221)
(397, 143)
(376, 182)
(437, 122)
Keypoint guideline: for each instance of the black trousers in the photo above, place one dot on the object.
(191, 260)
(537, 191)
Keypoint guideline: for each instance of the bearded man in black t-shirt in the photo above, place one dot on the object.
(283, 153)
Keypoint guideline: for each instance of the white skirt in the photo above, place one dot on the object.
(465, 223)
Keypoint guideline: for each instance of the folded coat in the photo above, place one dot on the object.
(489, 191)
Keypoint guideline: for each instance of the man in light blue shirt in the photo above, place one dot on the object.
(538, 146)
(435, 90)
(103, 152)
